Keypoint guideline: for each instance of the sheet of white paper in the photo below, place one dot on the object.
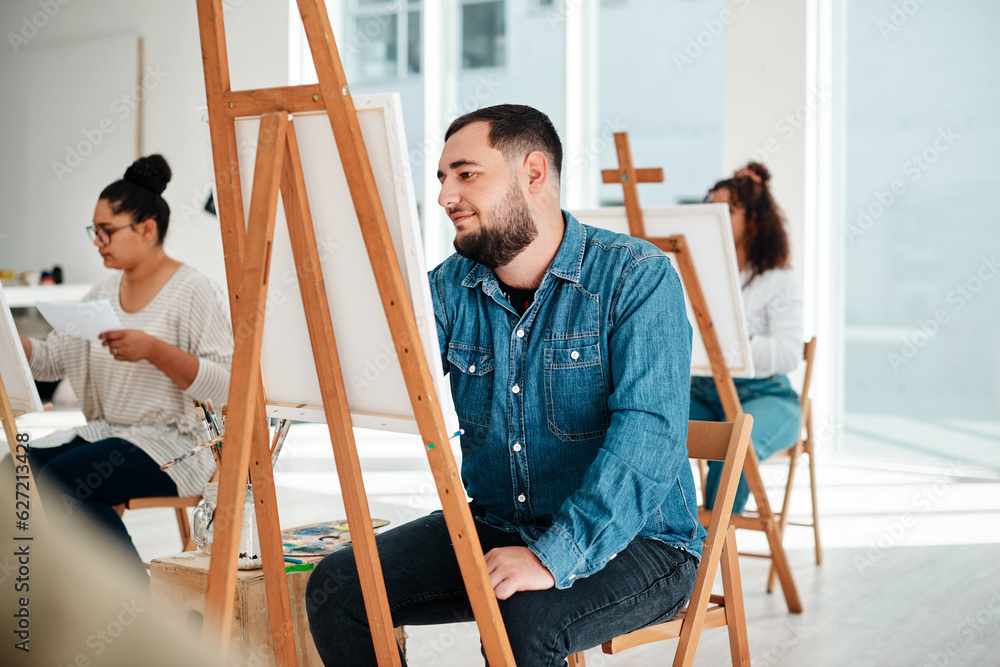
(85, 319)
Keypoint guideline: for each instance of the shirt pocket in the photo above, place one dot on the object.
(576, 405)
(471, 373)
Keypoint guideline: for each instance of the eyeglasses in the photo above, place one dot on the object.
(103, 234)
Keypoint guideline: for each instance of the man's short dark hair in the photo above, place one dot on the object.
(516, 130)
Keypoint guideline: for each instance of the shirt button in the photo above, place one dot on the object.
(472, 368)
(572, 576)
(515, 389)
(520, 333)
(517, 446)
(612, 556)
(521, 498)
(574, 355)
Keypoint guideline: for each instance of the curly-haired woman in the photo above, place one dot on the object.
(773, 305)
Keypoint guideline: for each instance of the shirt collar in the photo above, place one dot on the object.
(566, 264)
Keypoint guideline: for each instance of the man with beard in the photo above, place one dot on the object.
(569, 352)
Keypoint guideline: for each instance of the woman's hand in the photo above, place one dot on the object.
(136, 345)
(129, 344)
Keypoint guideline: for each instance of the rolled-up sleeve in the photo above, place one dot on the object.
(208, 335)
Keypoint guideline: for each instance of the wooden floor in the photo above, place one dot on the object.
(911, 573)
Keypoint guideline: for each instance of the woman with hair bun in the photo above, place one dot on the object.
(138, 385)
(773, 305)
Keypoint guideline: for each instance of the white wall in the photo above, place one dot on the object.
(767, 103)
(257, 32)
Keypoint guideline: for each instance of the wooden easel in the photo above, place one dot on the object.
(247, 252)
(629, 177)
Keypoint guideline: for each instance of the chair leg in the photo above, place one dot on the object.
(576, 660)
(815, 506)
(770, 527)
(785, 504)
(703, 473)
(732, 587)
(185, 529)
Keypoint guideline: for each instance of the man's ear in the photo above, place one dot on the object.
(537, 167)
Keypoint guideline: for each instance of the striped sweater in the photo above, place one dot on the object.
(134, 400)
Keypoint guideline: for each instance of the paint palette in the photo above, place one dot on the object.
(320, 539)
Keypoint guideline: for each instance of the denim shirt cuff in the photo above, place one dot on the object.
(560, 555)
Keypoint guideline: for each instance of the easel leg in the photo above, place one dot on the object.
(731, 405)
(272, 555)
(770, 527)
(338, 415)
(244, 385)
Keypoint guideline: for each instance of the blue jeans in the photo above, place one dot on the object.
(647, 583)
(93, 477)
(777, 418)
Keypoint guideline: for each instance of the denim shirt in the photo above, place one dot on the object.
(575, 414)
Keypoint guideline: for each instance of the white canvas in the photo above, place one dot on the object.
(14, 368)
(376, 391)
(709, 236)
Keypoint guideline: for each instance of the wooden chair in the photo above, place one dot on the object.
(716, 441)
(804, 445)
(178, 503)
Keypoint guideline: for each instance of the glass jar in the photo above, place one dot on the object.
(204, 521)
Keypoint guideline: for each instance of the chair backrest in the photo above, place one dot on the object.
(808, 353)
(727, 442)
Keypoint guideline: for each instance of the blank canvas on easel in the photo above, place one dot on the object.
(14, 370)
(376, 390)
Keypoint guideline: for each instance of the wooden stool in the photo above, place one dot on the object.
(181, 581)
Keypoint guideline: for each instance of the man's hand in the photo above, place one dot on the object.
(128, 344)
(514, 569)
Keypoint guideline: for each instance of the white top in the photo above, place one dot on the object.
(135, 401)
(773, 303)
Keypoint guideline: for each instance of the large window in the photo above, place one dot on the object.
(921, 129)
(384, 39)
(664, 93)
(483, 34)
